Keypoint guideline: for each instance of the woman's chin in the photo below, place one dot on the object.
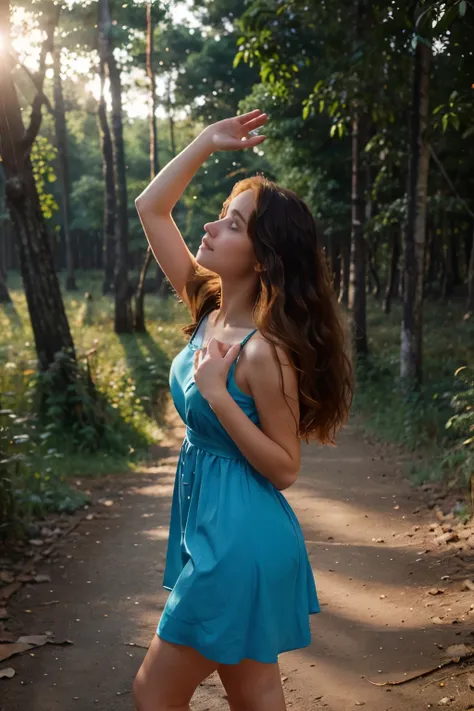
(202, 257)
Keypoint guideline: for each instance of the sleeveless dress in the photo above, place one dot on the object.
(237, 567)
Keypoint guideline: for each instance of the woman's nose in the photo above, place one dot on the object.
(209, 226)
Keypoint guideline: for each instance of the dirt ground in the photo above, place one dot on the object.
(377, 568)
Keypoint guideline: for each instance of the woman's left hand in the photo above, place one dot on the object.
(211, 368)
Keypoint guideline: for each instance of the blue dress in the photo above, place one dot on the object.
(241, 582)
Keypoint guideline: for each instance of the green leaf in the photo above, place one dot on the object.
(306, 112)
(446, 20)
(445, 122)
(333, 130)
(237, 59)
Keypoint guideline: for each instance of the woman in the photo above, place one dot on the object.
(241, 584)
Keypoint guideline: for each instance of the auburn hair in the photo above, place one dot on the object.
(296, 306)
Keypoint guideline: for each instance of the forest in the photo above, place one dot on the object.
(371, 122)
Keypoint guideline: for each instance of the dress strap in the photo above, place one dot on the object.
(242, 343)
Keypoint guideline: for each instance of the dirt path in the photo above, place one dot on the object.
(373, 574)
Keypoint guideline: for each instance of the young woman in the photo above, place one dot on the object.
(241, 584)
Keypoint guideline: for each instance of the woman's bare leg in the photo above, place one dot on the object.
(253, 686)
(169, 676)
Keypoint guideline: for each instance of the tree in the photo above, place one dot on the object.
(412, 324)
(139, 316)
(63, 165)
(123, 322)
(45, 305)
(110, 201)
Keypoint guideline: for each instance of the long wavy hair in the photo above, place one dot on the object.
(296, 306)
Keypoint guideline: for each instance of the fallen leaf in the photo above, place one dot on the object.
(26, 642)
(7, 673)
(24, 577)
(468, 585)
(436, 591)
(460, 650)
(9, 650)
(42, 579)
(6, 576)
(449, 537)
(8, 591)
(37, 640)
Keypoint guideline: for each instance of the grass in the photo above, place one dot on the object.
(421, 421)
(130, 373)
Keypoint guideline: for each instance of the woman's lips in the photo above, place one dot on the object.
(205, 244)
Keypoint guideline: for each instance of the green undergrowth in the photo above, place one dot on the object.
(40, 461)
(436, 423)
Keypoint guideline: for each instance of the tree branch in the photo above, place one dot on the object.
(449, 181)
(39, 100)
(37, 85)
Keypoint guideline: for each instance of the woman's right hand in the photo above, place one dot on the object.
(227, 135)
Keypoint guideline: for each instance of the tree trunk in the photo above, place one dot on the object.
(470, 279)
(169, 107)
(123, 322)
(335, 261)
(357, 288)
(412, 323)
(5, 297)
(63, 166)
(43, 294)
(392, 270)
(345, 269)
(154, 165)
(109, 182)
(454, 237)
(139, 318)
(373, 271)
(448, 277)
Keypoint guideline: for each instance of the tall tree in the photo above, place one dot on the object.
(412, 323)
(63, 165)
(139, 316)
(123, 319)
(48, 317)
(108, 240)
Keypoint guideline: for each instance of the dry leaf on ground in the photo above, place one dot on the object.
(7, 673)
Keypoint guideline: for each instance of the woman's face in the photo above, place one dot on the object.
(226, 248)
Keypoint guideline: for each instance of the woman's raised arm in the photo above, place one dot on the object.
(156, 202)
